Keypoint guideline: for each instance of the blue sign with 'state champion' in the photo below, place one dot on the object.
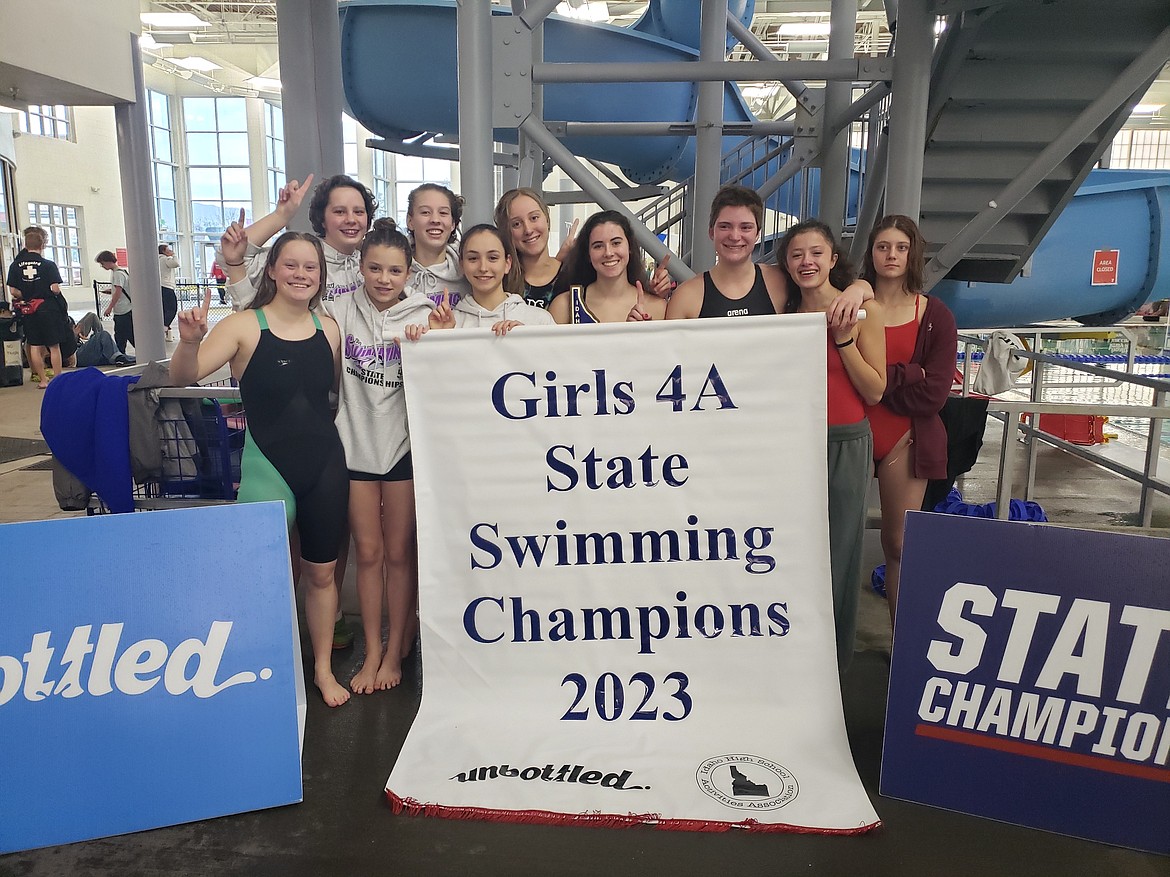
(148, 672)
(1031, 678)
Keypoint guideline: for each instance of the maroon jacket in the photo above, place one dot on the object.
(918, 389)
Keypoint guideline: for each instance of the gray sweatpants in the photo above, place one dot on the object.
(850, 470)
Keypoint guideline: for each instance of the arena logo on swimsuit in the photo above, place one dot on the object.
(102, 667)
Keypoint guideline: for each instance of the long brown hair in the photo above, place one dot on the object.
(915, 259)
(581, 270)
(840, 275)
(266, 290)
(513, 281)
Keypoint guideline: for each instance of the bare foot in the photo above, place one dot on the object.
(334, 693)
(389, 673)
(364, 679)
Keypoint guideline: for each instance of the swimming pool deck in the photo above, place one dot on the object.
(344, 826)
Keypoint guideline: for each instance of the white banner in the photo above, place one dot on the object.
(624, 579)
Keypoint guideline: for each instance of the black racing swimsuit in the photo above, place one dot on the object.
(292, 451)
(757, 302)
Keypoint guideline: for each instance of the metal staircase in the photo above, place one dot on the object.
(1025, 97)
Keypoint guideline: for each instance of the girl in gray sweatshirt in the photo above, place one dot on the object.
(371, 419)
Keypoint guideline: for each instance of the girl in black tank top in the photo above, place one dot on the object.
(756, 303)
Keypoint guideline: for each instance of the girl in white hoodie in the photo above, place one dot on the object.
(371, 419)
(489, 264)
(432, 217)
(340, 211)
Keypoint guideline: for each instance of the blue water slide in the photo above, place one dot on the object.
(398, 71)
(398, 62)
(1123, 210)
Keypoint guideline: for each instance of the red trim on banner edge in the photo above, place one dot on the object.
(411, 807)
(1042, 752)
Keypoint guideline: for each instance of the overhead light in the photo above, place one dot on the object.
(1147, 109)
(147, 41)
(196, 63)
(173, 19)
(585, 11)
(804, 29)
(264, 83)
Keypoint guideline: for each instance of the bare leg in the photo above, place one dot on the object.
(294, 547)
(365, 521)
(36, 362)
(401, 575)
(900, 492)
(338, 581)
(55, 360)
(320, 607)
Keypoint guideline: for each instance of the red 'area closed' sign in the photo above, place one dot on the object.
(1105, 267)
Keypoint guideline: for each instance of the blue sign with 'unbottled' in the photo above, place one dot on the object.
(149, 672)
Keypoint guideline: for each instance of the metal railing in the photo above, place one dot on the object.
(189, 293)
(1147, 401)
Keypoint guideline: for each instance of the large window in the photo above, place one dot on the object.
(410, 172)
(7, 213)
(48, 121)
(163, 165)
(217, 159)
(62, 225)
(1141, 148)
(349, 137)
(274, 151)
(383, 183)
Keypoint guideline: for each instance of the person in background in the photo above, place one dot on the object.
(167, 263)
(35, 283)
(120, 305)
(909, 439)
(95, 345)
(220, 281)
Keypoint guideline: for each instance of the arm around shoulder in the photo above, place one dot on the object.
(867, 366)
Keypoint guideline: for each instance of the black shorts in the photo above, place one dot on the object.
(403, 471)
(43, 327)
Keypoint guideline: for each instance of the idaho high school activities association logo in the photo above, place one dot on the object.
(747, 782)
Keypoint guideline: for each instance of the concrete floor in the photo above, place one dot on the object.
(344, 827)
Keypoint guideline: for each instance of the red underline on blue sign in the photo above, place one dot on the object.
(1035, 750)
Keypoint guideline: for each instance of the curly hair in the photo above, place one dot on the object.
(320, 201)
(840, 275)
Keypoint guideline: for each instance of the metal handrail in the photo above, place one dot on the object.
(1010, 412)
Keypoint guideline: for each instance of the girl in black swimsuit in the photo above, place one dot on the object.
(286, 359)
